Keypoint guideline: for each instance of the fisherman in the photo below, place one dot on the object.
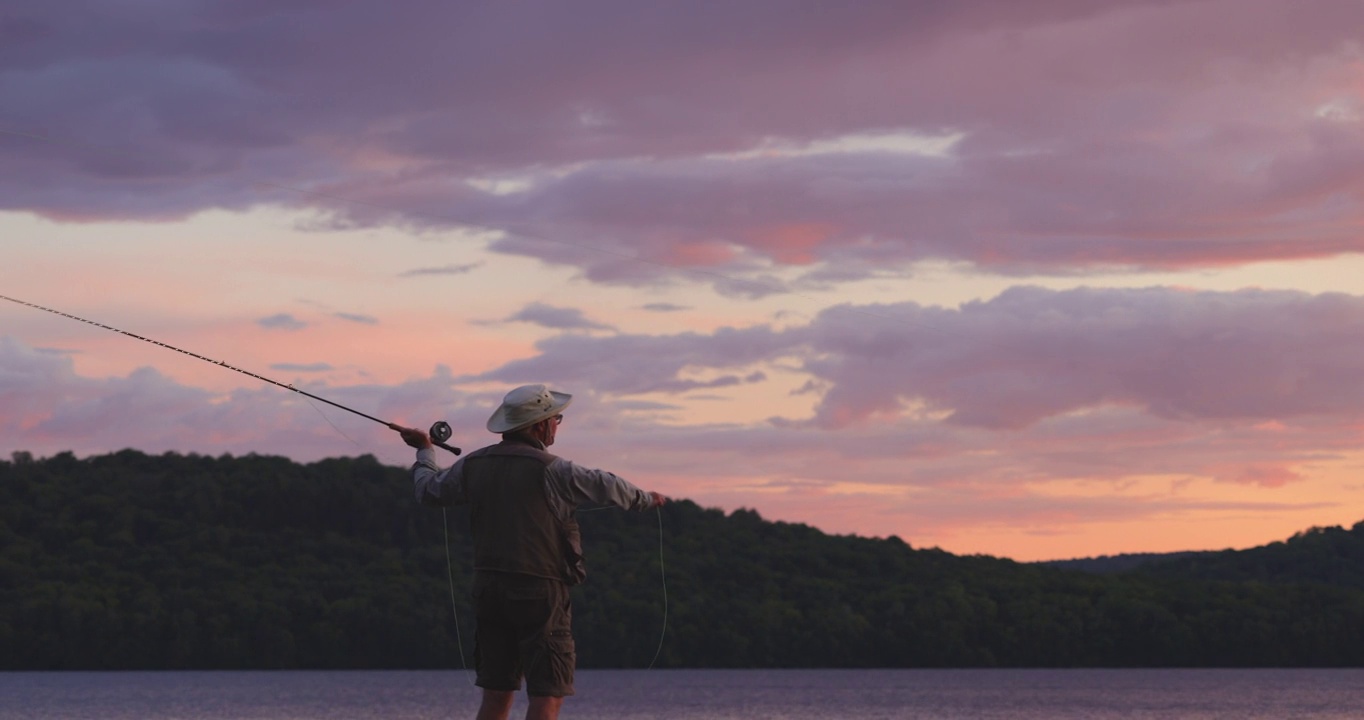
(527, 547)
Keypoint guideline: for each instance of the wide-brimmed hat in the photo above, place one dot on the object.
(525, 406)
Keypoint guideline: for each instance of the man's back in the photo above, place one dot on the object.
(515, 530)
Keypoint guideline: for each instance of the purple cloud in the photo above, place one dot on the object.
(1032, 354)
(655, 363)
(557, 318)
(726, 141)
(1023, 357)
(443, 270)
(282, 321)
(357, 318)
(302, 367)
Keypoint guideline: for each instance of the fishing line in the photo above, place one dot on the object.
(664, 575)
(774, 286)
(219, 363)
(338, 430)
(454, 604)
(449, 561)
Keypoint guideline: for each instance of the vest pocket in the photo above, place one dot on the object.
(575, 567)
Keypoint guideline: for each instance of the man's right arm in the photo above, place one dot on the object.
(435, 486)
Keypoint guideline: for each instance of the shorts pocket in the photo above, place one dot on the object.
(563, 658)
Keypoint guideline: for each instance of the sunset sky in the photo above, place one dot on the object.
(1037, 280)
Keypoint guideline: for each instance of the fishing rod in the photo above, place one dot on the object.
(439, 433)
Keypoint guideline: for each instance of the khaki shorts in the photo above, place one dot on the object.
(524, 630)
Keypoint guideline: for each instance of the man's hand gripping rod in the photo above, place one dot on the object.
(440, 432)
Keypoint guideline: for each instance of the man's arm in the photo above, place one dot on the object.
(433, 486)
(580, 484)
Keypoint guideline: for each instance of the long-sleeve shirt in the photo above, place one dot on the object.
(567, 486)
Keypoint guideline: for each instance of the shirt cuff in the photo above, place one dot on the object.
(427, 457)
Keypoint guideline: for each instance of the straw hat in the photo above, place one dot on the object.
(525, 406)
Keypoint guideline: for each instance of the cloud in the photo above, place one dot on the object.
(656, 363)
(1018, 359)
(1070, 137)
(1031, 354)
(663, 307)
(443, 270)
(1242, 387)
(1272, 476)
(282, 321)
(1001, 414)
(301, 367)
(557, 318)
(46, 407)
(355, 318)
(761, 149)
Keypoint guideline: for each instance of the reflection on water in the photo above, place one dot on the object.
(698, 695)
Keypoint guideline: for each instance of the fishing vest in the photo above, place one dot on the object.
(515, 531)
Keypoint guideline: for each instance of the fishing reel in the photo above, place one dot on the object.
(440, 432)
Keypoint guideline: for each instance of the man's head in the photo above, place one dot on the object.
(530, 407)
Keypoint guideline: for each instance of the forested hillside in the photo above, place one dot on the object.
(1324, 555)
(1104, 564)
(184, 561)
(1321, 555)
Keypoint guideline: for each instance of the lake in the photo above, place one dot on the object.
(697, 695)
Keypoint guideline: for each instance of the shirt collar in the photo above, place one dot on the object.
(522, 438)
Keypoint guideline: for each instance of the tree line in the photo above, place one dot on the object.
(135, 561)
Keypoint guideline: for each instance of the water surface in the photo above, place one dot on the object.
(698, 695)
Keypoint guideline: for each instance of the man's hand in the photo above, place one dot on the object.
(412, 436)
(659, 498)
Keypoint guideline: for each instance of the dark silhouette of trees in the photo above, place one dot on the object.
(127, 561)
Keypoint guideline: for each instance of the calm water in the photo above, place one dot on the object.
(699, 695)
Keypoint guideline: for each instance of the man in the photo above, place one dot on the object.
(527, 548)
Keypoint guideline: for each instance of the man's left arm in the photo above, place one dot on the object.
(600, 486)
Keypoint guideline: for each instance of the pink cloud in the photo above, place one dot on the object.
(792, 243)
(1266, 476)
(699, 254)
(46, 407)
